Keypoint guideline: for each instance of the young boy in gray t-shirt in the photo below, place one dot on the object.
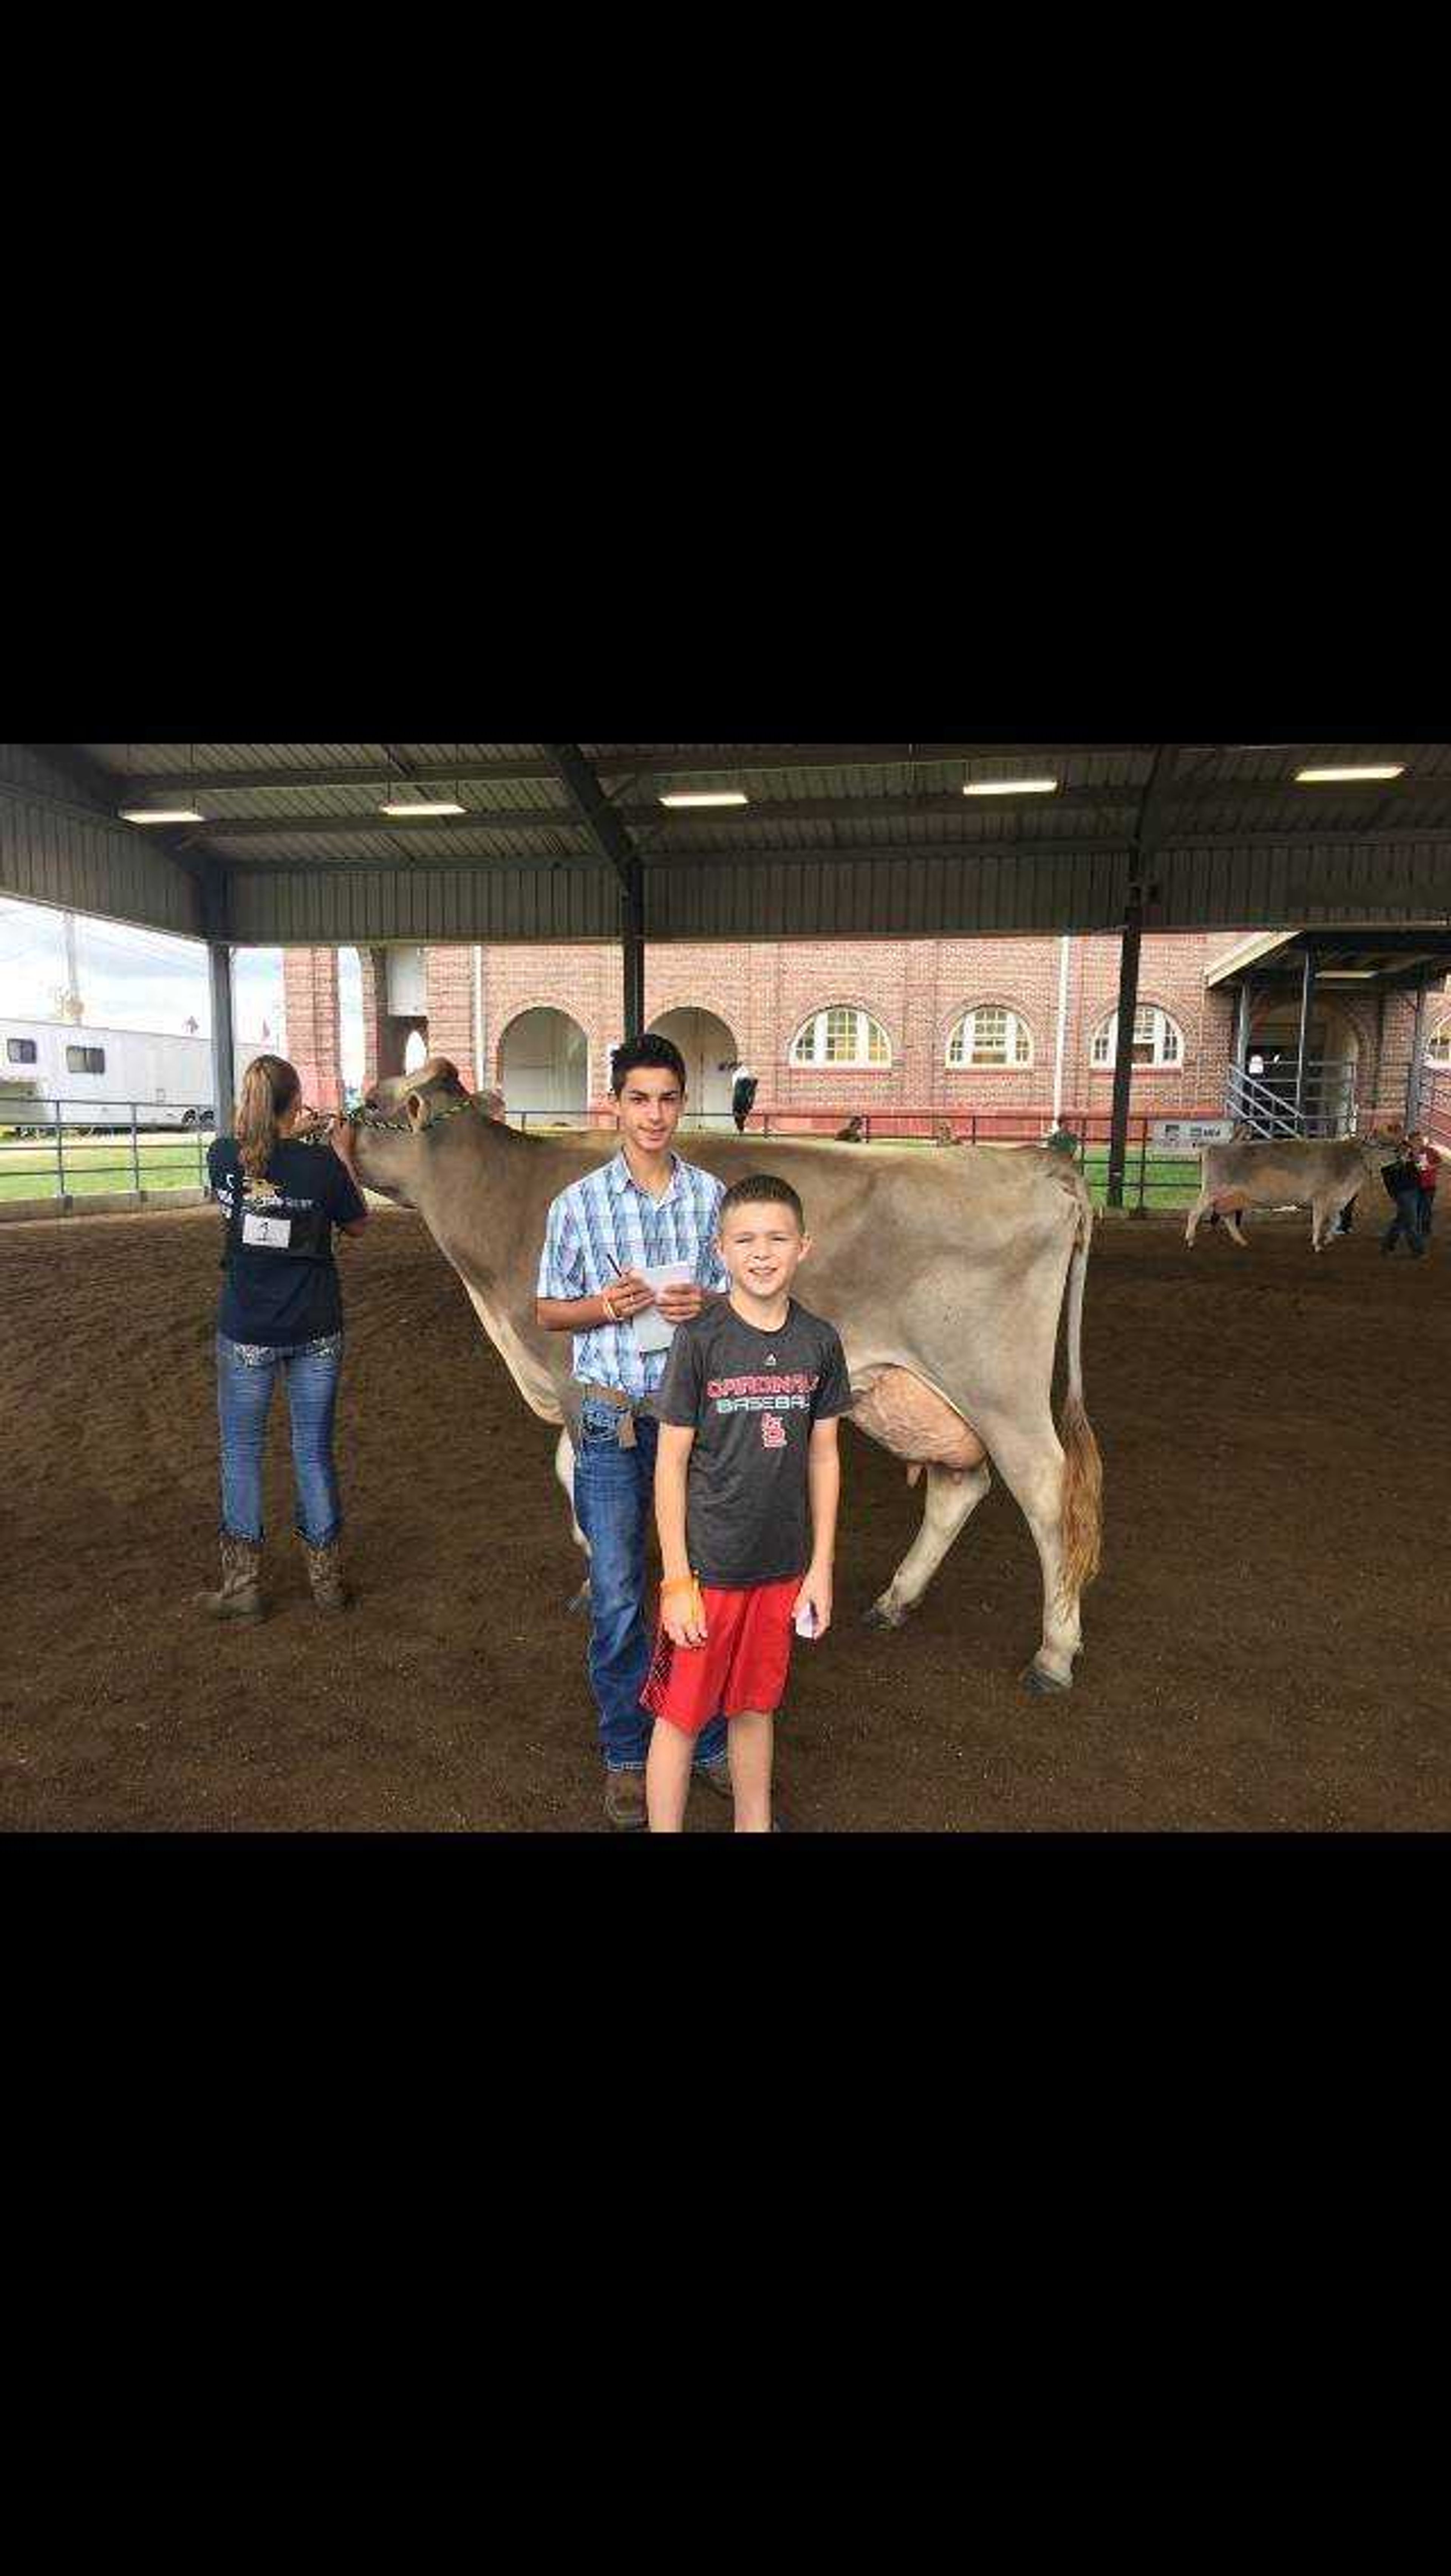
(748, 1410)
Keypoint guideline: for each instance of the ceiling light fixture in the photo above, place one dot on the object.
(707, 796)
(397, 811)
(1348, 776)
(160, 814)
(1010, 787)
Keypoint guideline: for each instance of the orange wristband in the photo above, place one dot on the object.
(686, 1583)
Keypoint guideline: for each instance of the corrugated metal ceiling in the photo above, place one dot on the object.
(834, 836)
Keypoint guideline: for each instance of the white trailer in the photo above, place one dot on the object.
(97, 1074)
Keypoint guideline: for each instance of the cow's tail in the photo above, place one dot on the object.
(1082, 1504)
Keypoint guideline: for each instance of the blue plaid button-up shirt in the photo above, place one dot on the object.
(607, 1216)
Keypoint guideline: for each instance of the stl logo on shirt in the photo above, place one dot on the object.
(773, 1431)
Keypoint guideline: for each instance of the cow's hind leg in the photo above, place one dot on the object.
(1031, 1466)
(1200, 1208)
(564, 1470)
(950, 1500)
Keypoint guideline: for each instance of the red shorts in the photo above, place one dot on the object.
(743, 1663)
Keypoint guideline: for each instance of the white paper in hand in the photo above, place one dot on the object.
(651, 1331)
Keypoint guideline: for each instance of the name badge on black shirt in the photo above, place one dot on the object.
(271, 1233)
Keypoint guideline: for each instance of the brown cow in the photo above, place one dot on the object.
(943, 1273)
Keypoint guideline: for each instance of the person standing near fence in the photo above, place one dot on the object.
(282, 1192)
(1402, 1184)
(1428, 1159)
(743, 1096)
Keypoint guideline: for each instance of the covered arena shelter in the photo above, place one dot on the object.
(1261, 1646)
(317, 844)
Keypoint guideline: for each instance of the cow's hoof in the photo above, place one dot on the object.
(884, 1614)
(578, 1601)
(1043, 1683)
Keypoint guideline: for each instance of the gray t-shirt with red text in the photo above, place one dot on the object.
(751, 1399)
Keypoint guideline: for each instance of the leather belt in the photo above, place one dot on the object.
(623, 1404)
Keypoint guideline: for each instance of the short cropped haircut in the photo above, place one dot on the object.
(658, 1053)
(762, 1188)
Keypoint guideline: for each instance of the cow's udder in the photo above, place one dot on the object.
(914, 1422)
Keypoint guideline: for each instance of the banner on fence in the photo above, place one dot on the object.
(1190, 1133)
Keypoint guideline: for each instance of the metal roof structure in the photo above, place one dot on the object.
(1379, 960)
(573, 842)
(287, 843)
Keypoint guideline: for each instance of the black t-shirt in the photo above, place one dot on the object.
(270, 1294)
(751, 1399)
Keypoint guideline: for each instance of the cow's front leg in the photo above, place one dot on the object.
(564, 1470)
(950, 1500)
(1031, 1466)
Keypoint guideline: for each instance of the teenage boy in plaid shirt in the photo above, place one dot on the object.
(646, 1207)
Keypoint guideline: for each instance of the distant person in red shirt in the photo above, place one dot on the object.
(1427, 1159)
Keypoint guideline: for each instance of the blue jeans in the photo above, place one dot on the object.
(1407, 1222)
(613, 1492)
(247, 1372)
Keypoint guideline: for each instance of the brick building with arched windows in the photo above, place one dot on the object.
(966, 1026)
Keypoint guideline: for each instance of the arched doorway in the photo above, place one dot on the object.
(1332, 1056)
(544, 1065)
(708, 1047)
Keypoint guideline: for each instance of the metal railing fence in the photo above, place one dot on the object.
(47, 1154)
(1155, 1175)
(1268, 1106)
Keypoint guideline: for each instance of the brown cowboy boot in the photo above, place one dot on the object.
(240, 1596)
(324, 1573)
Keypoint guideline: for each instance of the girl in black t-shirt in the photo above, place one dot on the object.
(282, 1190)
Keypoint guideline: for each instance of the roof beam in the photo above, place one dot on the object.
(1424, 895)
(1177, 797)
(724, 760)
(1431, 971)
(540, 862)
(596, 813)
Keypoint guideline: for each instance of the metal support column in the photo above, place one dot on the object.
(217, 923)
(1123, 1053)
(1413, 1074)
(1241, 1028)
(1307, 1000)
(614, 844)
(219, 974)
(632, 935)
(1147, 833)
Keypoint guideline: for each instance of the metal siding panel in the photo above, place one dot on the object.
(59, 859)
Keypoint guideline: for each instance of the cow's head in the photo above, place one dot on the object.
(1381, 1148)
(396, 1117)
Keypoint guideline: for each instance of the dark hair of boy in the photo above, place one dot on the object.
(658, 1053)
(757, 1189)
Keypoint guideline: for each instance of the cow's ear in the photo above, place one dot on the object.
(416, 1110)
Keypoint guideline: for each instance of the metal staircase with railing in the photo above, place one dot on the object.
(1266, 1106)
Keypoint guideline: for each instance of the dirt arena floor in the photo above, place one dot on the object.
(1268, 1645)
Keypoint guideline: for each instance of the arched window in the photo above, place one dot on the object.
(1439, 1050)
(841, 1036)
(990, 1035)
(1157, 1039)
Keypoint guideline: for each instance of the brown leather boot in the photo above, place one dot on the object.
(240, 1596)
(625, 1801)
(324, 1573)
